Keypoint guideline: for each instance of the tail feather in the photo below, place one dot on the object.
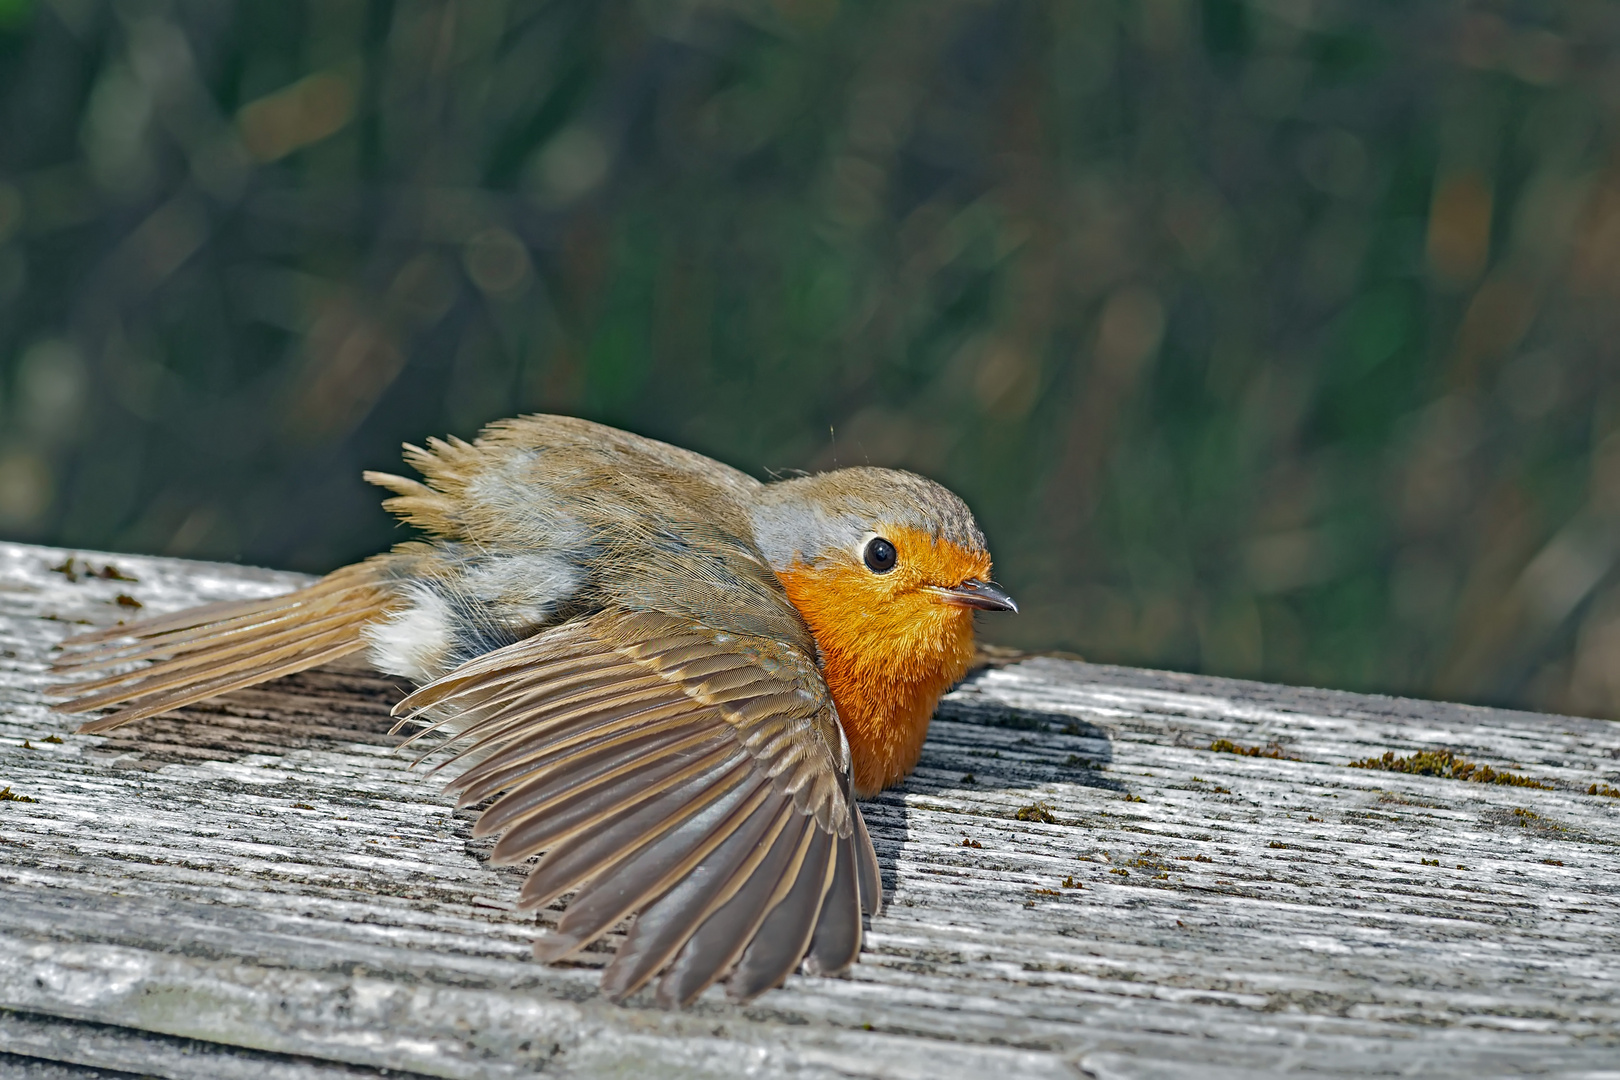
(201, 615)
(212, 641)
(214, 649)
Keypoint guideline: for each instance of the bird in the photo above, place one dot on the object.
(673, 679)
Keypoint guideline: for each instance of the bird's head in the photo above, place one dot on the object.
(887, 569)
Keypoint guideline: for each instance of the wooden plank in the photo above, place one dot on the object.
(266, 874)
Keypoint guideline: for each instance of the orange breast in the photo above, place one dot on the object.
(889, 652)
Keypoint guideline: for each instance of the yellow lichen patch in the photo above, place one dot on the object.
(72, 570)
(1270, 750)
(1604, 790)
(1146, 860)
(1446, 764)
(7, 795)
(1039, 811)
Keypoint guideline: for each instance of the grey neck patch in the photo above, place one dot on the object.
(819, 519)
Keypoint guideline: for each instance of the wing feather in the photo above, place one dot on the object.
(670, 773)
(608, 766)
(639, 877)
(837, 938)
(535, 833)
(271, 650)
(717, 944)
(221, 613)
(211, 650)
(585, 855)
(183, 658)
(223, 684)
(570, 641)
(866, 868)
(785, 934)
(577, 678)
(517, 764)
(660, 931)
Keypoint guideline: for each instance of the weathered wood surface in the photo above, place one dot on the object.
(262, 887)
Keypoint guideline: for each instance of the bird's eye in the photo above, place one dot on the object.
(880, 555)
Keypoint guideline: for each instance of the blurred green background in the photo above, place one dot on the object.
(1268, 338)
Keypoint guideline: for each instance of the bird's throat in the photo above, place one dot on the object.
(887, 665)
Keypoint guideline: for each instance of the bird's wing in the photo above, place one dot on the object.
(205, 651)
(693, 778)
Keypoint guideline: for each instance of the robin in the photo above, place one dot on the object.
(676, 678)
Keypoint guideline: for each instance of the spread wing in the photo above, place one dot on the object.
(212, 649)
(691, 777)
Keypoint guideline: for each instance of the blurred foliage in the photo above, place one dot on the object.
(1269, 338)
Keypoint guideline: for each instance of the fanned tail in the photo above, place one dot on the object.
(216, 648)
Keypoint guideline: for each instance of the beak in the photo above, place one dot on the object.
(974, 593)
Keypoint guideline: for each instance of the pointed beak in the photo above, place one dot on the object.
(974, 593)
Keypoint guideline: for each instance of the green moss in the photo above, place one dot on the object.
(1446, 764)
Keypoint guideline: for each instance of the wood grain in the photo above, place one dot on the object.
(262, 886)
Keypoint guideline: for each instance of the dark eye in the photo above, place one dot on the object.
(880, 555)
